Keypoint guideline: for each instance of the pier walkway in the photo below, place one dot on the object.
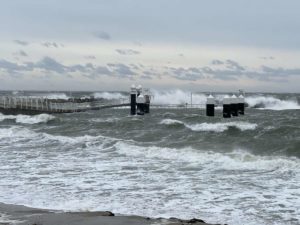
(38, 105)
(31, 105)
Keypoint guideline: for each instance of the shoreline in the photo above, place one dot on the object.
(17, 214)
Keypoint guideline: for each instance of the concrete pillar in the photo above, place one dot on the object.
(227, 107)
(234, 106)
(133, 100)
(241, 105)
(210, 106)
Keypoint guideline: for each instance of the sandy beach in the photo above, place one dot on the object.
(21, 215)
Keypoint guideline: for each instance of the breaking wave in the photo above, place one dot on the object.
(25, 119)
(269, 102)
(177, 97)
(220, 127)
(56, 96)
(171, 122)
(212, 127)
(177, 176)
(110, 95)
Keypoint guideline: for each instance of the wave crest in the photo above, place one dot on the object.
(171, 122)
(269, 102)
(177, 97)
(25, 119)
(109, 95)
(212, 127)
(221, 127)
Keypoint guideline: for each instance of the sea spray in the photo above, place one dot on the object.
(270, 102)
(177, 97)
(110, 95)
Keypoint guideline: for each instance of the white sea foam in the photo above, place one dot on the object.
(20, 133)
(6, 219)
(220, 127)
(53, 96)
(235, 160)
(57, 96)
(109, 95)
(213, 127)
(270, 102)
(170, 122)
(25, 119)
(105, 120)
(127, 177)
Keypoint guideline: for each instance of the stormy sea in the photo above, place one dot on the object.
(169, 163)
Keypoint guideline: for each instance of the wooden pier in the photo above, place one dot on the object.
(14, 105)
(37, 105)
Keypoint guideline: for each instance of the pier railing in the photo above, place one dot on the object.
(44, 105)
(37, 105)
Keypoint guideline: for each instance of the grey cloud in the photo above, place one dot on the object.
(217, 62)
(127, 52)
(120, 69)
(234, 65)
(235, 71)
(78, 67)
(280, 71)
(103, 70)
(102, 35)
(50, 64)
(137, 43)
(191, 73)
(232, 71)
(52, 44)
(221, 74)
(134, 66)
(90, 57)
(268, 57)
(146, 77)
(12, 67)
(19, 42)
(265, 73)
(20, 53)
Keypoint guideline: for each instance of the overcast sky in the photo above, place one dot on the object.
(198, 45)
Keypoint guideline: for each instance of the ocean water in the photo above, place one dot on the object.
(169, 163)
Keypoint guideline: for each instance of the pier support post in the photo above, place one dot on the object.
(147, 101)
(133, 100)
(241, 105)
(140, 104)
(234, 106)
(37, 103)
(210, 106)
(226, 107)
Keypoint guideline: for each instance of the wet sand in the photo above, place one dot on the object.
(21, 215)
